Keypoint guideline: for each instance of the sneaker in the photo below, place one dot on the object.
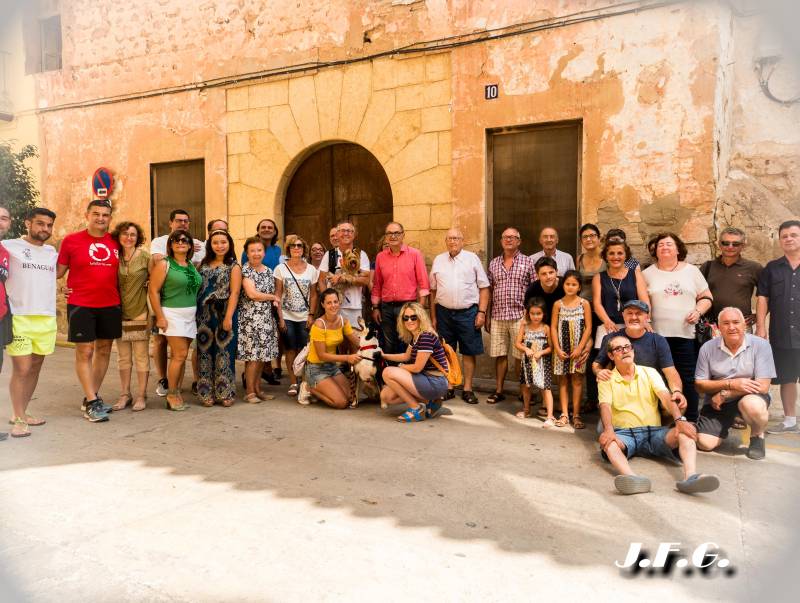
(106, 408)
(304, 396)
(783, 428)
(632, 484)
(94, 412)
(699, 482)
(161, 387)
(756, 449)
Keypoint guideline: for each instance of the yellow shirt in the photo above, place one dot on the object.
(633, 403)
(330, 337)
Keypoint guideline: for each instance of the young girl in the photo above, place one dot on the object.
(533, 340)
(571, 326)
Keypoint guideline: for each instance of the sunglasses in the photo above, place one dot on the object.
(296, 245)
(183, 240)
(408, 317)
(621, 348)
(730, 243)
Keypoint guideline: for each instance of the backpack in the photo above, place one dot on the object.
(453, 374)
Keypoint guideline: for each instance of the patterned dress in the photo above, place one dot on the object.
(258, 331)
(216, 348)
(571, 324)
(538, 373)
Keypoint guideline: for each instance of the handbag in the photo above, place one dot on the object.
(299, 364)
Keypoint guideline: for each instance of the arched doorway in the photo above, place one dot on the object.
(341, 181)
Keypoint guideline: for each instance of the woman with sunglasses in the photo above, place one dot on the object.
(216, 315)
(419, 378)
(323, 375)
(295, 287)
(174, 283)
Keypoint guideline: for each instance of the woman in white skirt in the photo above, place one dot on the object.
(174, 283)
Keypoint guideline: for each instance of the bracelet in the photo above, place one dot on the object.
(481, 311)
(676, 391)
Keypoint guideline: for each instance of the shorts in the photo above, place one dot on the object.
(88, 324)
(181, 322)
(457, 327)
(33, 335)
(296, 335)
(352, 315)
(503, 335)
(317, 373)
(717, 423)
(430, 387)
(645, 441)
(787, 365)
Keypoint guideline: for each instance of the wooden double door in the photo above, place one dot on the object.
(342, 181)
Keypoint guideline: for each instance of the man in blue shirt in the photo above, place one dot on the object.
(651, 349)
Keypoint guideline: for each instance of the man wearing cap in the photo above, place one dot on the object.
(734, 372)
(652, 349)
(548, 239)
(629, 402)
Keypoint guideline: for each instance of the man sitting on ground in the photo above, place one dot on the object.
(632, 424)
(734, 372)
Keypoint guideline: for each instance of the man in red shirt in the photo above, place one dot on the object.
(400, 276)
(93, 304)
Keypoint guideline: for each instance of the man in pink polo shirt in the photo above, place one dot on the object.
(400, 276)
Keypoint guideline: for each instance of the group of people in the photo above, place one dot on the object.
(627, 333)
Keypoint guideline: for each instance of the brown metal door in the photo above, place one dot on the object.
(178, 185)
(535, 182)
(339, 182)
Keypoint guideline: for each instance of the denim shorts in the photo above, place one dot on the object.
(430, 387)
(296, 335)
(457, 327)
(317, 373)
(645, 441)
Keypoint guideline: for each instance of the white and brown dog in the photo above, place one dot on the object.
(367, 371)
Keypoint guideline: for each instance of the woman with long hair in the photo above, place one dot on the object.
(174, 283)
(418, 380)
(216, 315)
(295, 287)
(134, 345)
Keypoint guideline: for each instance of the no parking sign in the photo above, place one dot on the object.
(102, 183)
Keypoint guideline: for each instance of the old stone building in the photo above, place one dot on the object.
(463, 112)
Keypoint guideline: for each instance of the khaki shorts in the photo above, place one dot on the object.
(33, 335)
(503, 334)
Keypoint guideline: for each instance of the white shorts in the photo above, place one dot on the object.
(181, 322)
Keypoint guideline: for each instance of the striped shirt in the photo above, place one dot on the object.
(429, 342)
(509, 285)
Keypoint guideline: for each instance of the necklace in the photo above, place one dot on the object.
(617, 291)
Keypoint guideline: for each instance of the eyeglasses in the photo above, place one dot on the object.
(350, 230)
(453, 238)
(296, 245)
(509, 237)
(408, 317)
(181, 220)
(589, 235)
(730, 243)
(182, 240)
(394, 233)
(621, 348)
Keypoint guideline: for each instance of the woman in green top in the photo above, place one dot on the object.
(174, 283)
(133, 346)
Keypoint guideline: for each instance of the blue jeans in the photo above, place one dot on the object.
(645, 441)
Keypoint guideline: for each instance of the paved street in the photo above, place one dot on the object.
(278, 502)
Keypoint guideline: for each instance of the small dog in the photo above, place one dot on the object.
(350, 270)
(367, 371)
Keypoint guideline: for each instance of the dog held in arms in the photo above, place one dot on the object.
(367, 371)
(349, 270)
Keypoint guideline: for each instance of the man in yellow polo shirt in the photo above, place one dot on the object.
(632, 424)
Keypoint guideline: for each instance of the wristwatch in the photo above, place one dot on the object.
(681, 418)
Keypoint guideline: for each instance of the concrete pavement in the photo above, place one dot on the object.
(278, 502)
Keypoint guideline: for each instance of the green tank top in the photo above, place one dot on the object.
(181, 285)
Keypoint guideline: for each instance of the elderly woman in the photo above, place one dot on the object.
(295, 287)
(322, 373)
(317, 252)
(679, 296)
(174, 283)
(419, 379)
(134, 345)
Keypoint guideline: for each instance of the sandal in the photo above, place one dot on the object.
(563, 420)
(139, 404)
(228, 403)
(550, 422)
(252, 398)
(469, 397)
(495, 398)
(31, 421)
(413, 415)
(432, 407)
(264, 396)
(522, 414)
(174, 401)
(577, 423)
(293, 389)
(208, 402)
(20, 429)
(124, 400)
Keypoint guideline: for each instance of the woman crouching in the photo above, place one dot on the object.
(419, 378)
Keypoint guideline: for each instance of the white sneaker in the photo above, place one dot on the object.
(161, 387)
(304, 395)
(783, 428)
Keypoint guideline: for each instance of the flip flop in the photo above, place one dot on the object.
(20, 429)
(31, 421)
